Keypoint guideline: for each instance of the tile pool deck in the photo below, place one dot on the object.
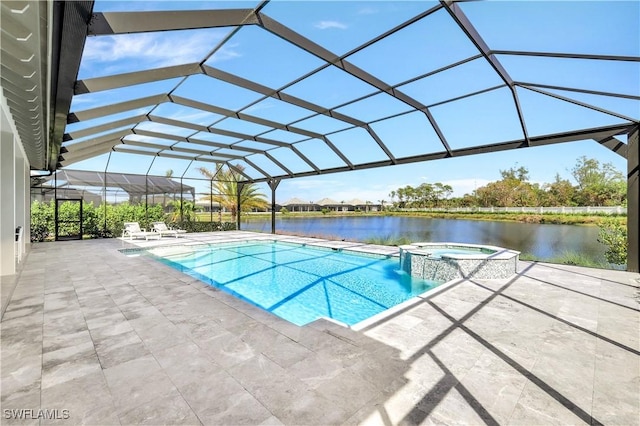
(127, 340)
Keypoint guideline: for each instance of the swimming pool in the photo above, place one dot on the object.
(297, 282)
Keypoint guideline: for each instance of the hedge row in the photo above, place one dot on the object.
(106, 222)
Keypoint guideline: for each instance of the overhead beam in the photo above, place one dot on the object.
(278, 94)
(103, 111)
(71, 147)
(264, 90)
(239, 171)
(69, 31)
(242, 116)
(83, 153)
(615, 145)
(119, 148)
(258, 168)
(573, 89)
(472, 34)
(77, 134)
(587, 134)
(114, 141)
(99, 84)
(568, 55)
(110, 23)
(177, 139)
(582, 104)
(315, 49)
(278, 163)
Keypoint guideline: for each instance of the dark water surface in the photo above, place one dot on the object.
(540, 240)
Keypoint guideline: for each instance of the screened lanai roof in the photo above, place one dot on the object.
(282, 89)
(134, 185)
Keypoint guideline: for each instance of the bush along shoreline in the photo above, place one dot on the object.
(541, 218)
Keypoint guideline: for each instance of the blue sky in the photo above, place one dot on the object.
(562, 27)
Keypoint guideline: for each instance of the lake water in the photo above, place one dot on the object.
(540, 240)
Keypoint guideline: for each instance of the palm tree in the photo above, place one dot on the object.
(183, 209)
(224, 187)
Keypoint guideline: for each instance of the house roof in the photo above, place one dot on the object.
(295, 201)
(328, 202)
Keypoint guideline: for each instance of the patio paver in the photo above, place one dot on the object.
(127, 340)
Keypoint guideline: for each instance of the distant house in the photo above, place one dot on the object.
(328, 203)
(365, 206)
(298, 205)
(208, 206)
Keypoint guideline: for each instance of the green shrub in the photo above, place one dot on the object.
(567, 258)
(613, 234)
(42, 221)
(388, 240)
(93, 218)
(117, 215)
(190, 226)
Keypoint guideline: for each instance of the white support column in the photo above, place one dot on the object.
(633, 200)
(7, 198)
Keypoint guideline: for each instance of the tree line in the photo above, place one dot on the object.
(597, 184)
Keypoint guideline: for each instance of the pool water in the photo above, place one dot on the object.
(297, 282)
(451, 252)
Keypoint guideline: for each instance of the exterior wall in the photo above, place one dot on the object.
(7, 217)
(14, 196)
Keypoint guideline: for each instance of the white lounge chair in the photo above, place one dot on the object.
(162, 229)
(132, 230)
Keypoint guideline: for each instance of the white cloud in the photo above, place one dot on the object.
(343, 190)
(192, 116)
(339, 190)
(152, 50)
(372, 195)
(313, 184)
(225, 53)
(460, 186)
(367, 11)
(264, 105)
(323, 25)
(82, 100)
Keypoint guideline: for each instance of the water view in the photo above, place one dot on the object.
(540, 240)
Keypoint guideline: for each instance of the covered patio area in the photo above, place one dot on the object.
(127, 340)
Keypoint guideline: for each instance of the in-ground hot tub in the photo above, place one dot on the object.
(447, 261)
